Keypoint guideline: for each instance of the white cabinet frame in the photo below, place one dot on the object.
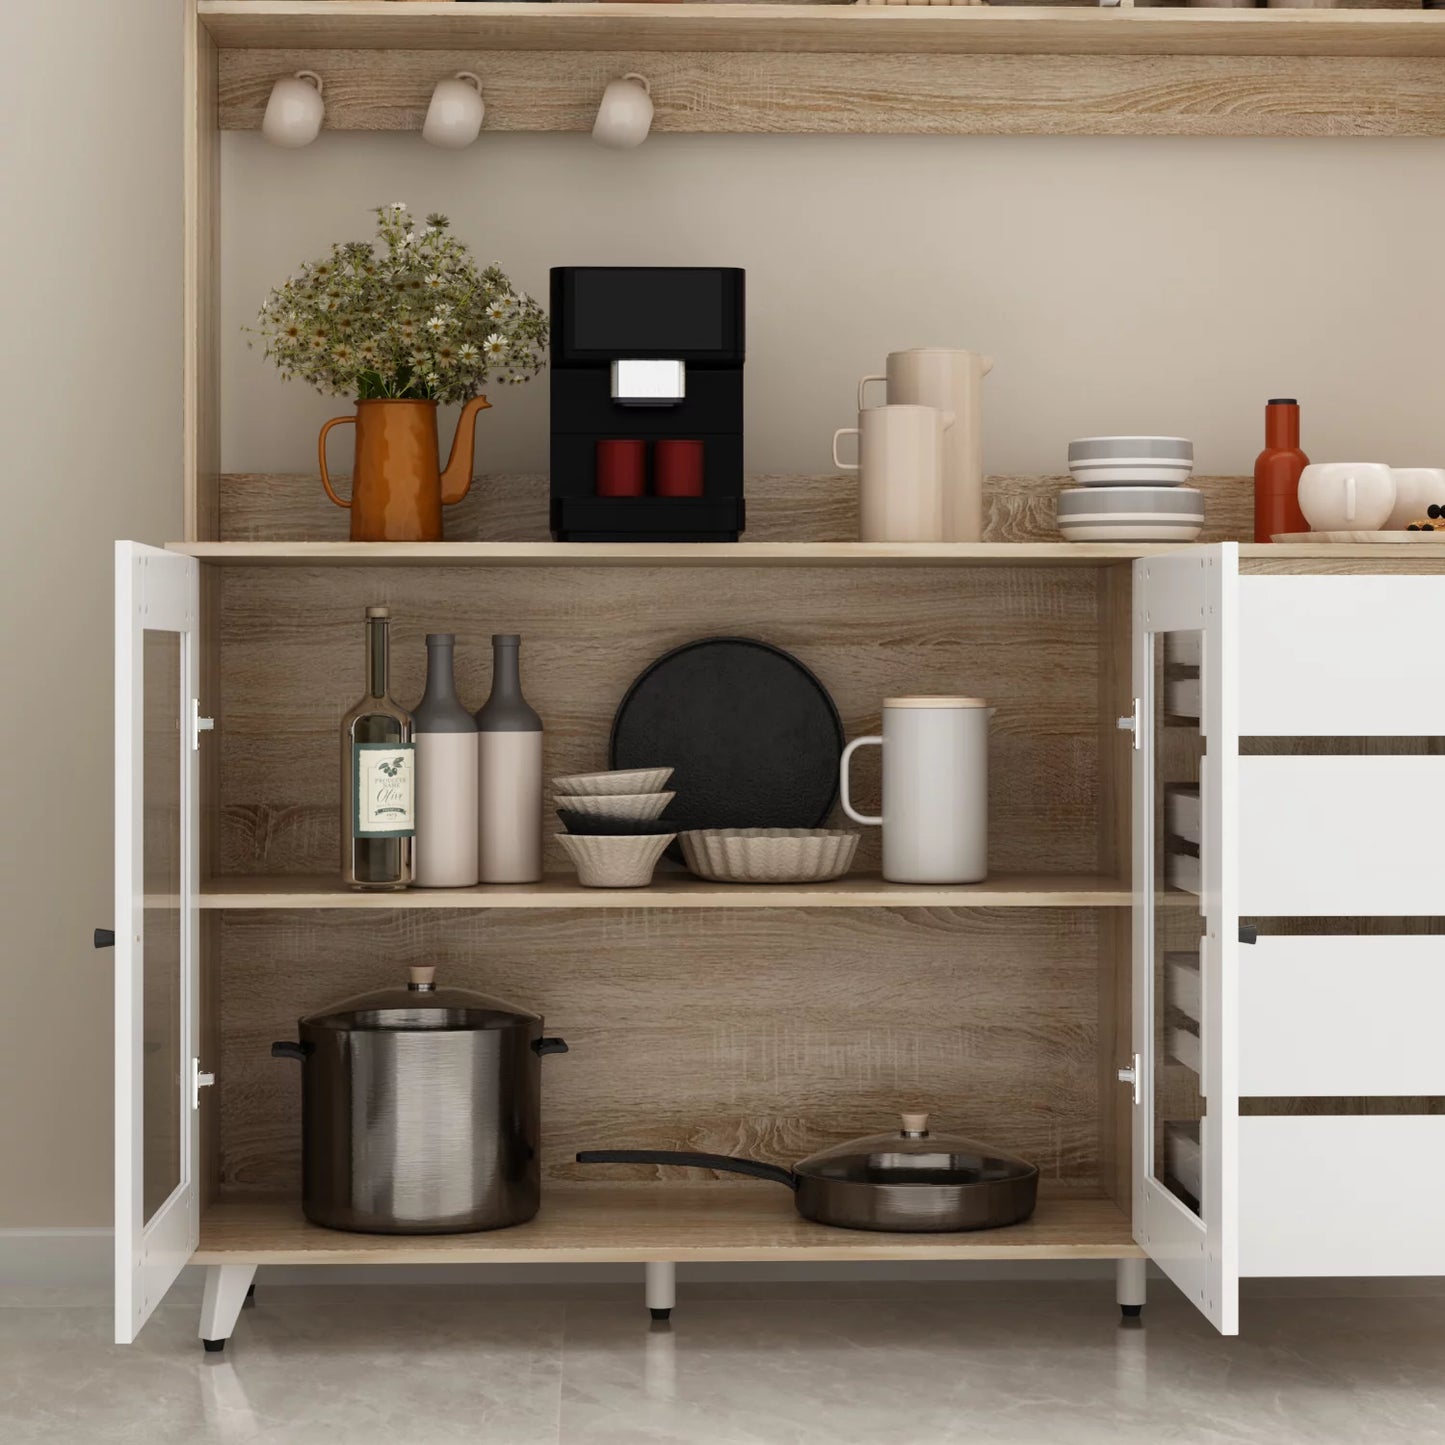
(155, 591)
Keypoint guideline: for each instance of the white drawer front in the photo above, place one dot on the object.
(1343, 1016)
(1335, 836)
(1340, 656)
(1342, 1195)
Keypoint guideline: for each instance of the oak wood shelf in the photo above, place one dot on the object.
(963, 30)
(757, 554)
(682, 891)
(626, 1223)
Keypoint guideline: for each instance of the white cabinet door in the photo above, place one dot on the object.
(1186, 925)
(157, 1073)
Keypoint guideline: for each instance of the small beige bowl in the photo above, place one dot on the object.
(609, 785)
(640, 807)
(769, 855)
(612, 860)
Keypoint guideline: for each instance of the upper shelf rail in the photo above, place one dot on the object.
(896, 29)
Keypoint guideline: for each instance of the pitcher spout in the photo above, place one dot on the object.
(457, 478)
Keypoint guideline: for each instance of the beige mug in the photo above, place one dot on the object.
(1346, 496)
(900, 466)
(950, 381)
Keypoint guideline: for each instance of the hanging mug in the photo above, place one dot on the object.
(935, 789)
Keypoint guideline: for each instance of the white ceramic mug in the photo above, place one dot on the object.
(1346, 496)
(900, 466)
(935, 789)
(454, 117)
(625, 115)
(951, 381)
(294, 111)
(1416, 490)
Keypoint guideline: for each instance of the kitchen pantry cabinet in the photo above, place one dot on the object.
(1202, 1093)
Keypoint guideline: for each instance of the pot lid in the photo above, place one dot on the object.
(421, 1005)
(914, 1154)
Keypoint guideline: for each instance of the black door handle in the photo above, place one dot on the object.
(1248, 933)
(105, 938)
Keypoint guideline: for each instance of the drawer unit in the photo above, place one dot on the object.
(1343, 1016)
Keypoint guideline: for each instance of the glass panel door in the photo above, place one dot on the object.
(156, 932)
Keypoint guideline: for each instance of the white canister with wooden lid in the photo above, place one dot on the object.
(935, 789)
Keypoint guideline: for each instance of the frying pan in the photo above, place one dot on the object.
(909, 1182)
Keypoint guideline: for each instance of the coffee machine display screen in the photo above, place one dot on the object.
(681, 312)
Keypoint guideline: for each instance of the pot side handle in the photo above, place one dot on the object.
(774, 1173)
(288, 1049)
(550, 1046)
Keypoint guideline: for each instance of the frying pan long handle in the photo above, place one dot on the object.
(754, 1167)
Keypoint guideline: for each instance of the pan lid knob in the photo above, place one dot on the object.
(915, 1126)
(422, 978)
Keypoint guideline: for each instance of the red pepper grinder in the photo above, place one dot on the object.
(1276, 473)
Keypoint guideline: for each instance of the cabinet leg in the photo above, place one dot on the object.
(1129, 1285)
(227, 1286)
(661, 1288)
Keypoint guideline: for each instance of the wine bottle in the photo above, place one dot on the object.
(510, 773)
(445, 847)
(378, 776)
(1277, 471)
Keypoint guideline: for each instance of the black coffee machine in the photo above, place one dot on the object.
(647, 403)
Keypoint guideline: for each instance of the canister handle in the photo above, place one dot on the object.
(550, 1046)
(290, 1049)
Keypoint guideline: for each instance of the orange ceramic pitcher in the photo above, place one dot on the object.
(397, 485)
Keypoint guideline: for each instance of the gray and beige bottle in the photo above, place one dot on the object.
(510, 734)
(445, 851)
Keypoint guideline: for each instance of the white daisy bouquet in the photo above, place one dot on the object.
(410, 319)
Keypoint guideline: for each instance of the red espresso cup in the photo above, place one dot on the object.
(621, 468)
(677, 468)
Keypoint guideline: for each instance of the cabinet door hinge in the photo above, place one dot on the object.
(199, 724)
(1133, 1075)
(200, 1079)
(1130, 724)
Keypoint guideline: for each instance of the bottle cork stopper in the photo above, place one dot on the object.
(378, 611)
(914, 1123)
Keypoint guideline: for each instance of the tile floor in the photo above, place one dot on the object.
(747, 1365)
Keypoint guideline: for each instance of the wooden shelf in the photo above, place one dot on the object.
(963, 30)
(754, 554)
(680, 890)
(622, 1223)
(666, 554)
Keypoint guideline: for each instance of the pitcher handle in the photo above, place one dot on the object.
(321, 450)
(847, 757)
(862, 386)
(846, 431)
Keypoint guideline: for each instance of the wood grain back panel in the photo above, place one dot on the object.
(743, 1032)
(1025, 638)
(727, 92)
(261, 507)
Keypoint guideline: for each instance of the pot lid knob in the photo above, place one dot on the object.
(423, 978)
(915, 1126)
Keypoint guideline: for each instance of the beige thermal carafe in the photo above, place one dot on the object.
(900, 467)
(948, 381)
(510, 778)
(935, 789)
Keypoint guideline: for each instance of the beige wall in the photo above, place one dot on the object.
(1122, 285)
(90, 376)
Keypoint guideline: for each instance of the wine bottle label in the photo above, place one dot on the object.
(384, 789)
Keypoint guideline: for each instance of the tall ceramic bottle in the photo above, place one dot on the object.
(378, 776)
(511, 773)
(1277, 471)
(445, 853)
